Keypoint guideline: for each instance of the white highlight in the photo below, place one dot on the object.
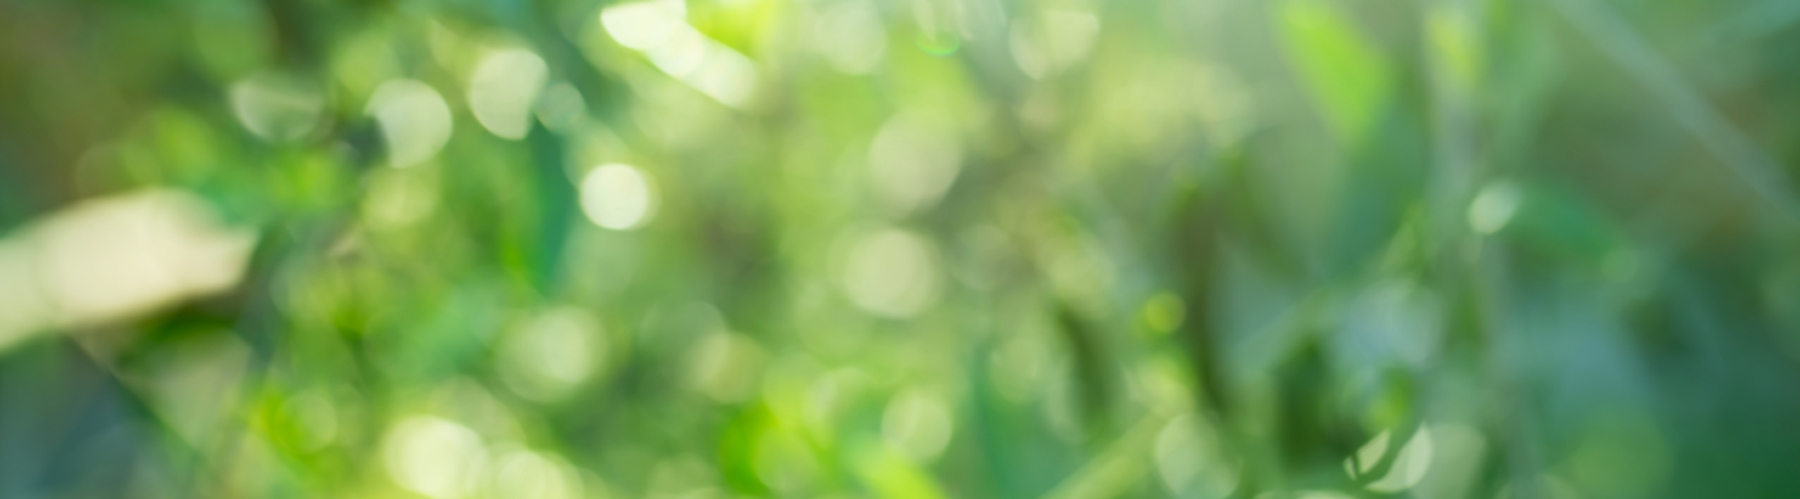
(658, 29)
(534, 475)
(503, 89)
(617, 197)
(114, 258)
(553, 353)
(434, 457)
(413, 118)
(644, 25)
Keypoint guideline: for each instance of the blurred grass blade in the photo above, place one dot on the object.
(1761, 173)
(1347, 75)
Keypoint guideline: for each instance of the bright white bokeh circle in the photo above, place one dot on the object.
(617, 197)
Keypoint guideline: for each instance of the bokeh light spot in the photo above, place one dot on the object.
(414, 119)
(644, 25)
(503, 89)
(617, 197)
(434, 457)
(527, 474)
(891, 273)
(551, 354)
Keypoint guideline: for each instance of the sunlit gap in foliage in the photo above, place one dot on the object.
(617, 197)
(115, 258)
(659, 29)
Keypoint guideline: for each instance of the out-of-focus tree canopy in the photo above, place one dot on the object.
(568, 249)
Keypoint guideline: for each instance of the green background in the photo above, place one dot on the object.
(901, 248)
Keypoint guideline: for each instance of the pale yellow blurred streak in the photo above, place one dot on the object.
(113, 258)
(504, 88)
(659, 29)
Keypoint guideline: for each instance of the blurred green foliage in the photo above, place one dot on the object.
(899, 248)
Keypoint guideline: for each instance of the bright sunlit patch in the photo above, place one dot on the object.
(617, 197)
(727, 76)
(644, 25)
(119, 256)
(414, 119)
(850, 36)
(1408, 467)
(706, 65)
(912, 162)
(551, 354)
(276, 108)
(918, 424)
(892, 273)
(1494, 207)
(503, 89)
(658, 28)
(1367, 455)
(112, 258)
(434, 457)
(682, 53)
(530, 474)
